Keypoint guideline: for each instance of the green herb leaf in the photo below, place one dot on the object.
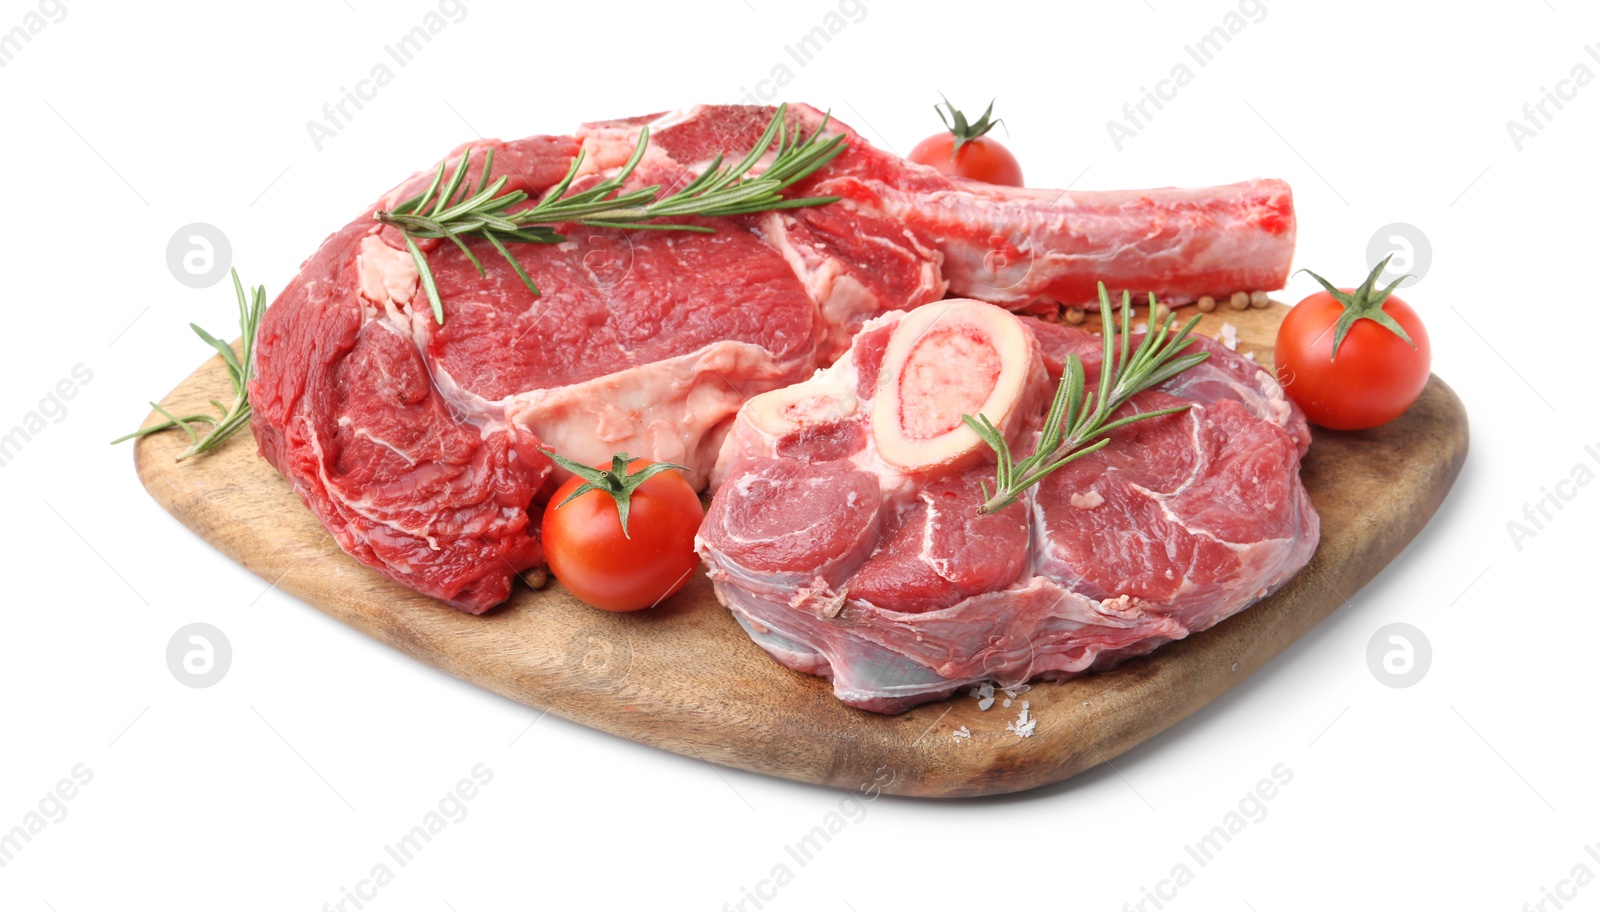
(230, 419)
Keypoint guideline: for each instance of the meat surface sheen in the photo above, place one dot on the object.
(1180, 522)
(418, 445)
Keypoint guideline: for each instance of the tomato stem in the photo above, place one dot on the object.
(617, 482)
(963, 131)
(1364, 303)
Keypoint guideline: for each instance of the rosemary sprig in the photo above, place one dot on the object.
(450, 208)
(229, 418)
(1077, 425)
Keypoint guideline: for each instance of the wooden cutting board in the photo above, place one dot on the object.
(684, 677)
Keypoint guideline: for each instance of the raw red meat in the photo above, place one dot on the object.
(901, 593)
(417, 445)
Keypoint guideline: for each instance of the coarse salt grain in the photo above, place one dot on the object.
(1023, 726)
(962, 734)
(986, 695)
(1230, 336)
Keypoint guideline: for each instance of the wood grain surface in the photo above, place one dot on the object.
(684, 677)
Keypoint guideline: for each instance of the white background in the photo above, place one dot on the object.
(279, 786)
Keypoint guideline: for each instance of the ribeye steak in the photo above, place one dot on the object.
(418, 444)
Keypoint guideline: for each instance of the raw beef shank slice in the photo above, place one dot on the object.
(866, 565)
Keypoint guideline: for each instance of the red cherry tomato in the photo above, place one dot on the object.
(588, 552)
(1374, 376)
(964, 151)
(981, 159)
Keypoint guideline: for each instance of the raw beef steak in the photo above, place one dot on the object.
(845, 536)
(418, 445)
